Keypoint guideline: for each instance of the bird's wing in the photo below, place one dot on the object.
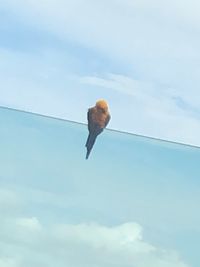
(89, 115)
(107, 120)
(89, 118)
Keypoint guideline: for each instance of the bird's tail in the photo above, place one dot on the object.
(90, 143)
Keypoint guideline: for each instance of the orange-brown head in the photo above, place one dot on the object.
(102, 104)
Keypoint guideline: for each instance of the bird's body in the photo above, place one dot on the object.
(98, 118)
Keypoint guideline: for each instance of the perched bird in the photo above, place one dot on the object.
(98, 118)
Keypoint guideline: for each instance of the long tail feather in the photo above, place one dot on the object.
(90, 143)
(88, 139)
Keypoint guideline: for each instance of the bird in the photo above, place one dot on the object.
(98, 118)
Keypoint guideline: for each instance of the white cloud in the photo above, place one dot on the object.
(121, 83)
(8, 262)
(31, 224)
(83, 244)
(123, 237)
(123, 245)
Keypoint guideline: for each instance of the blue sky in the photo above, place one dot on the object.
(58, 57)
(134, 203)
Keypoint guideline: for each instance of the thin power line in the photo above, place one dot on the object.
(108, 129)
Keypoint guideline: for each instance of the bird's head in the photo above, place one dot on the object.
(102, 105)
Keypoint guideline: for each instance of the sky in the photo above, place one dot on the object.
(133, 203)
(58, 57)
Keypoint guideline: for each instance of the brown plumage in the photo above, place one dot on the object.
(98, 118)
